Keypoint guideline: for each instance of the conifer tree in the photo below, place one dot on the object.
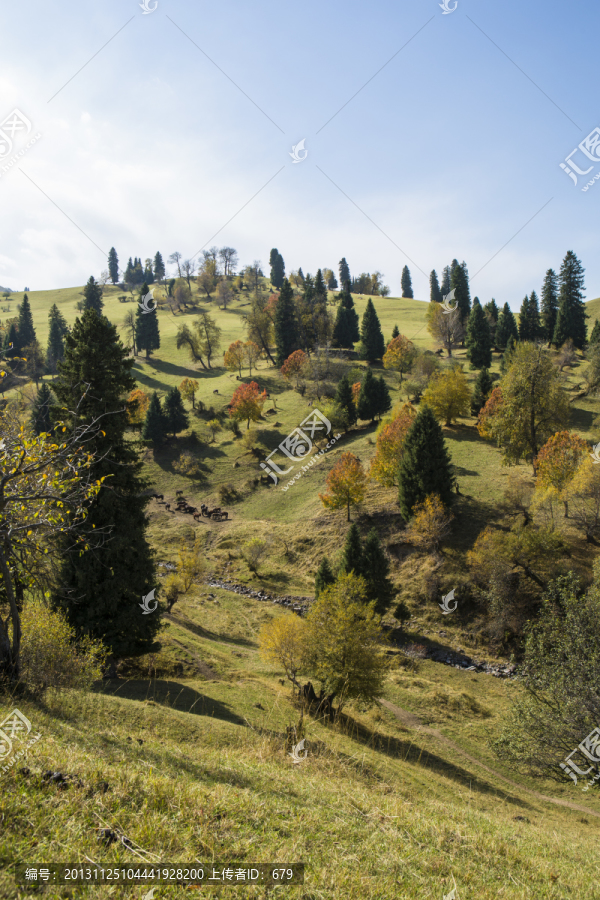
(371, 336)
(344, 273)
(324, 577)
(508, 354)
(100, 589)
(25, 326)
(345, 399)
(343, 329)
(92, 296)
(406, 283)
(332, 282)
(128, 277)
(55, 313)
(445, 285)
(159, 267)
(506, 328)
(425, 467)
(395, 332)
(41, 410)
(459, 283)
(287, 339)
(155, 425)
(368, 397)
(375, 569)
(435, 294)
(147, 334)
(352, 553)
(570, 301)
(524, 323)
(56, 347)
(549, 305)
(347, 301)
(175, 414)
(493, 310)
(277, 268)
(481, 391)
(595, 335)
(113, 265)
(479, 348)
(11, 345)
(383, 401)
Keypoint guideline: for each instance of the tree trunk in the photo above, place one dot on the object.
(13, 652)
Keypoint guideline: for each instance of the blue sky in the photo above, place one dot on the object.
(429, 137)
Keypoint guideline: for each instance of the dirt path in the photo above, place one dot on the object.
(411, 721)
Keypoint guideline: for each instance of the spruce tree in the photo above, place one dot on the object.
(155, 424)
(12, 345)
(345, 399)
(479, 347)
(175, 414)
(347, 301)
(56, 348)
(571, 295)
(287, 339)
(493, 310)
(406, 283)
(113, 265)
(524, 323)
(344, 273)
(435, 294)
(352, 553)
(506, 328)
(371, 336)
(148, 273)
(128, 277)
(92, 296)
(425, 467)
(100, 589)
(481, 391)
(459, 283)
(595, 335)
(507, 356)
(324, 577)
(368, 399)
(395, 332)
(375, 568)
(277, 268)
(445, 285)
(564, 328)
(343, 329)
(159, 267)
(534, 318)
(25, 326)
(332, 284)
(55, 313)
(383, 401)
(549, 305)
(41, 410)
(147, 334)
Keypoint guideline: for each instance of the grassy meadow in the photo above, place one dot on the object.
(184, 754)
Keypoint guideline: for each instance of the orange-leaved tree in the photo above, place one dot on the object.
(234, 357)
(486, 416)
(137, 407)
(390, 441)
(557, 462)
(247, 403)
(293, 366)
(356, 392)
(430, 523)
(400, 355)
(346, 484)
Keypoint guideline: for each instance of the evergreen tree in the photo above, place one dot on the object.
(324, 577)
(459, 283)
(406, 283)
(56, 347)
(507, 356)
(344, 273)
(352, 553)
(369, 397)
(524, 323)
(277, 268)
(92, 296)
(506, 328)
(479, 347)
(147, 334)
(344, 328)
(347, 301)
(55, 313)
(549, 305)
(375, 568)
(148, 272)
(12, 337)
(113, 265)
(435, 294)
(128, 277)
(100, 589)
(25, 326)
(534, 316)
(332, 284)
(493, 310)
(175, 414)
(155, 425)
(482, 390)
(159, 267)
(287, 339)
(395, 332)
(371, 336)
(595, 335)
(344, 398)
(425, 467)
(383, 401)
(570, 299)
(564, 328)
(40, 412)
(445, 285)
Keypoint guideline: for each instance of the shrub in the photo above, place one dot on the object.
(187, 464)
(228, 493)
(49, 656)
(254, 552)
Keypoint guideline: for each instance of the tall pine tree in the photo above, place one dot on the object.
(571, 308)
(113, 265)
(41, 410)
(481, 391)
(506, 328)
(287, 339)
(406, 283)
(371, 336)
(549, 305)
(277, 268)
(176, 416)
(147, 334)
(56, 348)
(459, 283)
(375, 567)
(155, 424)
(425, 467)
(344, 398)
(445, 285)
(343, 328)
(324, 577)
(479, 347)
(92, 296)
(100, 590)
(25, 326)
(435, 294)
(352, 553)
(159, 267)
(344, 273)
(595, 335)
(347, 301)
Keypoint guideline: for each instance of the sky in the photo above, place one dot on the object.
(428, 135)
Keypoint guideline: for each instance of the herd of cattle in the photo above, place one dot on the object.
(217, 514)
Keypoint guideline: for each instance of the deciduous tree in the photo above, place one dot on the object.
(294, 366)
(346, 484)
(247, 403)
(188, 389)
(400, 355)
(449, 395)
(557, 462)
(430, 524)
(390, 442)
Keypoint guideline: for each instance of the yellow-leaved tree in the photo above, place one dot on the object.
(390, 441)
(557, 462)
(346, 484)
(449, 395)
(430, 523)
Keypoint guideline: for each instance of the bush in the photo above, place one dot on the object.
(228, 493)
(234, 426)
(254, 552)
(49, 656)
(187, 464)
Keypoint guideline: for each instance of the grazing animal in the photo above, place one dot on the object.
(159, 496)
(215, 392)
(167, 506)
(179, 493)
(197, 516)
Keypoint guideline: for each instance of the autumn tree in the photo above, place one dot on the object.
(208, 276)
(391, 436)
(137, 407)
(234, 357)
(557, 462)
(203, 342)
(252, 353)
(294, 366)
(259, 324)
(444, 327)
(224, 293)
(430, 523)
(346, 484)
(282, 643)
(247, 403)
(188, 389)
(584, 502)
(449, 395)
(400, 355)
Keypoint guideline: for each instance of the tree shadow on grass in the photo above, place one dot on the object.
(171, 694)
(582, 419)
(199, 631)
